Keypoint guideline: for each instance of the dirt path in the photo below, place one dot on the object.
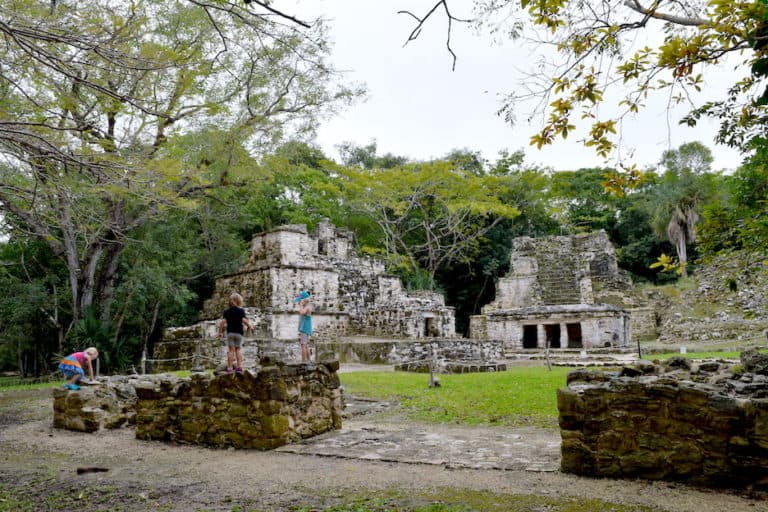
(157, 476)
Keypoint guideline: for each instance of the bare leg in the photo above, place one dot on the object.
(239, 357)
(230, 357)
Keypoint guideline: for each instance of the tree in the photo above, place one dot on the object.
(366, 157)
(469, 284)
(95, 101)
(428, 214)
(599, 54)
(738, 220)
(684, 187)
(582, 200)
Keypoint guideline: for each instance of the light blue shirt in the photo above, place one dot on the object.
(305, 324)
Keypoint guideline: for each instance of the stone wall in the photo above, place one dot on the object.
(184, 347)
(264, 409)
(360, 349)
(704, 424)
(109, 404)
(643, 321)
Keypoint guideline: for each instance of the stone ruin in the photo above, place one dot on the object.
(561, 292)
(448, 356)
(110, 404)
(705, 424)
(276, 405)
(351, 296)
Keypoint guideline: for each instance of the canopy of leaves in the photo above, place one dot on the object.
(431, 213)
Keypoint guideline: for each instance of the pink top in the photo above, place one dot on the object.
(81, 357)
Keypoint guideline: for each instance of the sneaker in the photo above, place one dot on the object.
(72, 387)
(239, 370)
(229, 371)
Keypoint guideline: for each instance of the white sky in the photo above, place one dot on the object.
(419, 108)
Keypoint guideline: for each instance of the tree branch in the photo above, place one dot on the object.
(421, 20)
(670, 18)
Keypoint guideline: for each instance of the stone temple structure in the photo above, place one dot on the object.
(560, 292)
(351, 296)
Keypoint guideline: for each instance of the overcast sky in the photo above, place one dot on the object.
(418, 107)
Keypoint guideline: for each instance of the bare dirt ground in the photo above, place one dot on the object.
(42, 462)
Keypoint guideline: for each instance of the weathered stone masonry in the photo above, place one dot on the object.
(270, 407)
(351, 296)
(703, 425)
(560, 292)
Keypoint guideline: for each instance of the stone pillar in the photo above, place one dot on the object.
(563, 335)
(541, 336)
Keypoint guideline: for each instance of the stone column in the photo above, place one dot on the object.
(563, 335)
(541, 336)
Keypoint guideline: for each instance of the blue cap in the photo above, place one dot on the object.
(301, 296)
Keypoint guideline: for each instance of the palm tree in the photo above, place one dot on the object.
(684, 187)
(681, 231)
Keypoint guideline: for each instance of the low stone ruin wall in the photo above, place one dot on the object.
(264, 408)
(704, 424)
(179, 351)
(109, 404)
(452, 367)
(461, 349)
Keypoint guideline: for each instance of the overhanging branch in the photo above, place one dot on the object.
(688, 21)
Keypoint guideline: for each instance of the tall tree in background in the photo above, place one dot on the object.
(429, 214)
(582, 201)
(684, 187)
(469, 284)
(94, 97)
(367, 157)
(738, 221)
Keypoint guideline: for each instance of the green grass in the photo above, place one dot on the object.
(694, 355)
(9, 385)
(457, 500)
(725, 354)
(518, 397)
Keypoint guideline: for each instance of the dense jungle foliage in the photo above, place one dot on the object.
(170, 263)
(143, 144)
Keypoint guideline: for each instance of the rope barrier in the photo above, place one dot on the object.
(184, 358)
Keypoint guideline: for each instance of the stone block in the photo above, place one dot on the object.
(665, 427)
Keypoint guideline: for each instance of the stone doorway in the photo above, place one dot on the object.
(552, 335)
(430, 327)
(574, 335)
(530, 337)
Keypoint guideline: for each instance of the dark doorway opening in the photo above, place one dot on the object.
(574, 335)
(552, 332)
(530, 336)
(430, 327)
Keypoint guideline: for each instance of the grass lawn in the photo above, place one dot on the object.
(12, 384)
(520, 396)
(729, 354)
(694, 355)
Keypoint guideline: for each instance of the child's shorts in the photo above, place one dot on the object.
(234, 340)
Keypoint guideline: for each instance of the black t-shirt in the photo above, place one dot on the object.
(234, 317)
